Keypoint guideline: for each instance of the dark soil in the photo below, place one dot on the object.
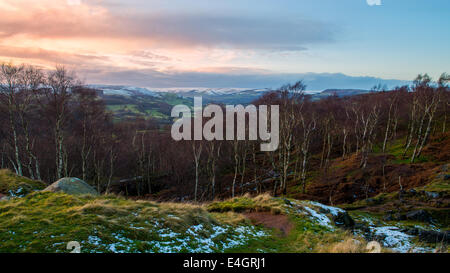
(268, 220)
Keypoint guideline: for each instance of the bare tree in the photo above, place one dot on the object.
(429, 103)
(237, 161)
(197, 147)
(213, 151)
(366, 120)
(393, 98)
(308, 128)
(32, 79)
(10, 85)
(59, 84)
(292, 101)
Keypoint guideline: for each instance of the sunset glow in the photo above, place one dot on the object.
(111, 41)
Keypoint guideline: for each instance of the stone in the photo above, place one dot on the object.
(343, 219)
(419, 215)
(71, 185)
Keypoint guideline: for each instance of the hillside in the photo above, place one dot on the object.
(46, 222)
(381, 156)
(127, 102)
(413, 219)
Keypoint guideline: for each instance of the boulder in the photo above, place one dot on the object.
(71, 185)
(433, 236)
(430, 236)
(343, 219)
(432, 194)
(419, 215)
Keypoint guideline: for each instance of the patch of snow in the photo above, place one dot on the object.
(16, 193)
(94, 240)
(134, 227)
(393, 238)
(333, 210)
(196, 239)
(320, 218)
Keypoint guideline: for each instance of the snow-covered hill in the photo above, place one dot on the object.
(124, 90)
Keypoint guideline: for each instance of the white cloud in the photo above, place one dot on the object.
(374, 2)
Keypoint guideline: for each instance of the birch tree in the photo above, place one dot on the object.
(59, 84)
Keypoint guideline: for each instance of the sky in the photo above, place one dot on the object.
(239, 43)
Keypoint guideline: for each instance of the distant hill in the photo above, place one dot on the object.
(130, 102)
(223, 95)
(340, 93)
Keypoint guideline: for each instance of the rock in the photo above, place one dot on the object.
(363, 227)
(388, 217)
(431, 194)
(443, 176)
(412, 231)
(71, 185)
(419, 215)
(287, 202)
(399, 217)
(4, 197)
(430, 236)
(343, 219)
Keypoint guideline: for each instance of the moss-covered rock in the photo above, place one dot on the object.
(71, 185)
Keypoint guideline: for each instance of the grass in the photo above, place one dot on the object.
(306, 235)
(174, 99)
(12, 184)
(146, 106)
(46, 222)
(261, 203)
(397, 149)
(439, 184)
(154, 113)
(134, 109)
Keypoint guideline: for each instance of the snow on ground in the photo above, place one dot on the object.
(317, 212)
(196, 239)
(17, 193)
(333, 210)
(320, 218)
(391, 236)
(199, 239)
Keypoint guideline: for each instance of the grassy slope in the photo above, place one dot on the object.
(12, 184)
(307, 234)
(45, 222)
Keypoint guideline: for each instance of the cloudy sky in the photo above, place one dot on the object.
(242, 43)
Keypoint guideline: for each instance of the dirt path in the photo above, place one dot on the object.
(268, 220)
